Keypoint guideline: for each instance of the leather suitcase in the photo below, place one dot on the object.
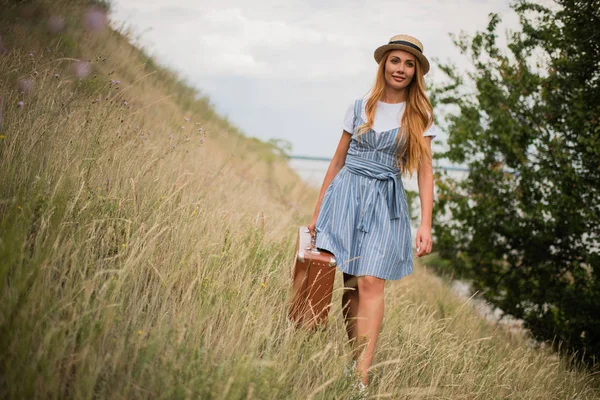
(312, 285)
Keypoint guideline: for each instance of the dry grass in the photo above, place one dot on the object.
(142, 260)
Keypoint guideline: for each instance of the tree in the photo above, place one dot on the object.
(524, 225)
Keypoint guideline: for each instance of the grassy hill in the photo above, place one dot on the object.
(146, 247)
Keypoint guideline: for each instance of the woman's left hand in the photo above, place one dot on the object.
(423, 241)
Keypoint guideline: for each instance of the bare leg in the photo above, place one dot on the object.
(350, 306)
(369, 320)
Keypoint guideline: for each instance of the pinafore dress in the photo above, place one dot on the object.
(364, 219)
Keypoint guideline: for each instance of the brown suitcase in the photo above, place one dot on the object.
(312, 286)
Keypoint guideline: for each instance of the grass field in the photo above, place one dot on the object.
(146, 248)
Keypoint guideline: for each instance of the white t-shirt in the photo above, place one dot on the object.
(387, 117)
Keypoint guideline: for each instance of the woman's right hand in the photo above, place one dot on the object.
(311, 226)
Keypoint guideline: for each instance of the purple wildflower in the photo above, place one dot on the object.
(94, 19)
(25, 86)
(20, 104)
(56, 23)
(57, 76)
(82, 69)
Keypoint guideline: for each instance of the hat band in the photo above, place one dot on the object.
(409, 44)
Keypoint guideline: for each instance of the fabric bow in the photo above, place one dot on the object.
(384, 175)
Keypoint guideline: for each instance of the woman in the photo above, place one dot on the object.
(362, 215)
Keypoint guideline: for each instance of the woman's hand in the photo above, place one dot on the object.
(425, 182)
(423, 241)
(311, 226)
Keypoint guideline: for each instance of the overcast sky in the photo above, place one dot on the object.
(289, 69)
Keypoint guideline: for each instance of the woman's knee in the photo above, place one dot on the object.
(370, 285)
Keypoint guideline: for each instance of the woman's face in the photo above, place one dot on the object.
(399, 69)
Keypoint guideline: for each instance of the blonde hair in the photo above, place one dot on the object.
(418, 116)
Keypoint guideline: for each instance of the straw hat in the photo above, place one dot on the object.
(406, 43)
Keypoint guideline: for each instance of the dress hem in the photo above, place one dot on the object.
(324, 243)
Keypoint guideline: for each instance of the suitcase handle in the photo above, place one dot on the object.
(304, 245)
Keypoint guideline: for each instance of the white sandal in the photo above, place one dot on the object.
(362, 389)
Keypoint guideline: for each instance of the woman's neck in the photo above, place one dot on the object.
(392, 96)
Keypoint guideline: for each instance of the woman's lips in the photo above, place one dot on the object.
(398, 79)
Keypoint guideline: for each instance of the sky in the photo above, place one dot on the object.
(289, 69)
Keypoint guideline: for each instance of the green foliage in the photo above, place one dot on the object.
(411, 197)
(281, 147)
(525, 223)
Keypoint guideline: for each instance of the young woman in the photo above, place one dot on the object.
(361, 215)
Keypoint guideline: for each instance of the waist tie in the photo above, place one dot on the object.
(385, 175)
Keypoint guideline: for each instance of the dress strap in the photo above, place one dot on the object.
(357, 112)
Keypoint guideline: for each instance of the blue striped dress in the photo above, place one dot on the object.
(363, 219)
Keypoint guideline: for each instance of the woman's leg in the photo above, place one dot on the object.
(369, 320)
(350, 306)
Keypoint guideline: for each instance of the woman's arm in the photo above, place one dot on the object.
(425, 180)
(337, 162)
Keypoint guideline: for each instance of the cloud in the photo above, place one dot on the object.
(227, 41)
(304, 39)
(289, 69)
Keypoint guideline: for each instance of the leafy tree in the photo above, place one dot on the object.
(524, 225)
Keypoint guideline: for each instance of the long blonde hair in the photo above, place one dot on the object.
(418, 116)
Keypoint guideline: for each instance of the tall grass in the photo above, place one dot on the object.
(146, 251)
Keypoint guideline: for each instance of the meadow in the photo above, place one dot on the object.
(146, 248)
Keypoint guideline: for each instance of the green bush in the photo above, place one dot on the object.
(524, 224)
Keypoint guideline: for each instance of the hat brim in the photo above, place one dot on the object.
(380, 51)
